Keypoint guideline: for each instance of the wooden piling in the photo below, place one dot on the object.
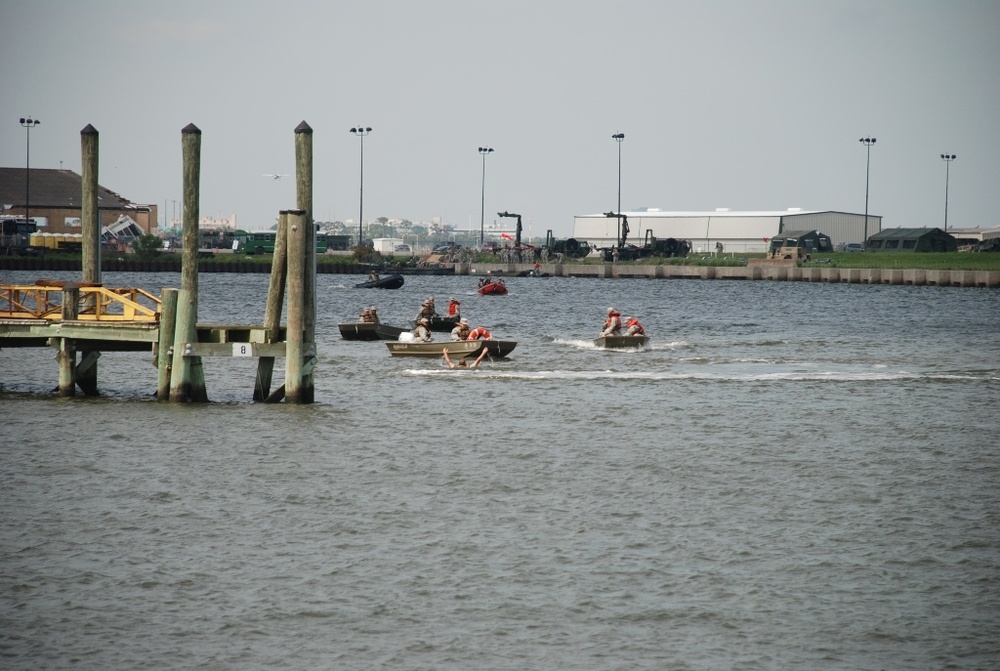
(304, 202)
(272, 311)
(298, 234)
(164, 349)
(89, 216)
(67, 346)
(187, 377)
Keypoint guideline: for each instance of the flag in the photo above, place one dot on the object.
(506, 236)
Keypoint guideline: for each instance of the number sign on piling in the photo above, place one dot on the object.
(242, 349)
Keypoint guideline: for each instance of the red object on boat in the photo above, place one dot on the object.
(494, 287)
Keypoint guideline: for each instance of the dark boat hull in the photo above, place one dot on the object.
(390, 282)
(621, 342)
(442, 324)
(369, 331)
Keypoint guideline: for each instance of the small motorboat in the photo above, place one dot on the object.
(621, 341)
(387, 282)
(456, 348)
(493, 288)
(369, 331)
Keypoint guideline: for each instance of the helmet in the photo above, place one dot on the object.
(423, 320)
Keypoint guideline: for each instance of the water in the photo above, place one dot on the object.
(790, 475)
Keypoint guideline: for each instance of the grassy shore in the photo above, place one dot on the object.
(874, 260)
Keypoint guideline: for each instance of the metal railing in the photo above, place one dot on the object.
(96, 303)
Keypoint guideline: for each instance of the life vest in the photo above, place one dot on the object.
(613, 322)
(638, 327)
(453, 308)
(479, 332)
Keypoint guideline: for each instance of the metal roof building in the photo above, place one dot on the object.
(738, 231)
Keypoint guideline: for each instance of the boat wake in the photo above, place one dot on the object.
(707, 376)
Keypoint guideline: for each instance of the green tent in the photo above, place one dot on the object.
(811, 241)
(912, 240)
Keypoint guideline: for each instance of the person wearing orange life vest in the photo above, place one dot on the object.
(453, 309)
(479, 333)
(613, 324)
(633, 327)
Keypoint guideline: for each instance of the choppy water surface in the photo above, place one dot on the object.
(790, 475)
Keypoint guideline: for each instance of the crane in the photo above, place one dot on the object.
(517, 240)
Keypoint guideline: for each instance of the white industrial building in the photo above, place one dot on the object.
(737, 231)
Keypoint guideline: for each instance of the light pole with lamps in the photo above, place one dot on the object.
(28, 123)
(361, 132)
(619, 138)
(947, 158)
(868, 142)
(483, 151)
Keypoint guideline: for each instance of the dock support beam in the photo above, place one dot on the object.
(90, 224)
(272, 311)
(164, 348)
(67, 346)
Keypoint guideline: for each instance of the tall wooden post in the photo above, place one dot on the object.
(187, 377)
(298, 234)
(67, 347)
(90, 216)
(304, 202)
(90, 223)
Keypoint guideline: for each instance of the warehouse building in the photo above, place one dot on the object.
(736, 231)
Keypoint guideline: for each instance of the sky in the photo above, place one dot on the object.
(746, 105)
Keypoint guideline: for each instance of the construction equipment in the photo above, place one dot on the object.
(652, 246)
(517, 234)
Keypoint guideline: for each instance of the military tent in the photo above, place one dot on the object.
(912, 240)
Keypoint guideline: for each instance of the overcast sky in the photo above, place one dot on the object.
(737, 104)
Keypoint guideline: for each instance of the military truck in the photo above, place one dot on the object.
(570, 247)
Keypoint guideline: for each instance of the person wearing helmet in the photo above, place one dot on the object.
(461, 330)
(613, 324)
(422, 333)
(633, 327)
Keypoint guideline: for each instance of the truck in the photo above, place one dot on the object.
(570, 247)
(652, 246)
(386, 245)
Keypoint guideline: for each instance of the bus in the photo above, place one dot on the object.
(262, 242)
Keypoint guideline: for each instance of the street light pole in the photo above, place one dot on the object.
(619, 138)
(868, 142)
(483, 151)
(361, 132)
(28, 123)
(947, 158)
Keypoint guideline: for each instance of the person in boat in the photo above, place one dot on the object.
(373, 276)
(633, 327)
(427, 310)
(461, 363)
(366, 316)
(479, 333)
(453, 307)
(613, 324)
(422, 333)
(461, 330)
(483, 282)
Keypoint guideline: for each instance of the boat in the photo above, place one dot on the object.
(387, 282)
(620, 341)
(493, 288)
(498, 349)
(369, 331)
(456, 349)
(441, 324)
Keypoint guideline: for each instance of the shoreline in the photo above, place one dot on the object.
(785, 273)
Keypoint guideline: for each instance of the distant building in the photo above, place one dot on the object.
(55, 201)
(737, 231)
